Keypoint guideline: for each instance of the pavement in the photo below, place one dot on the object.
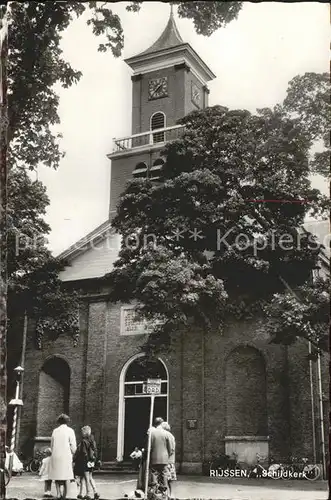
(113, 487)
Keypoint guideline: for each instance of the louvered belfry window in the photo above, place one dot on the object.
(140, 170)
(156, 170)
(158, 121)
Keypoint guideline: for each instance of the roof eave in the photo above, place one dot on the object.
(134, 60)
(98, 234)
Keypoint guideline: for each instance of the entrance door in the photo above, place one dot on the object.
(134, 409)
(160, 408)
(137, 414)
(136, 423)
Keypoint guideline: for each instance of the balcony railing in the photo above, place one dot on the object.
(158, 136)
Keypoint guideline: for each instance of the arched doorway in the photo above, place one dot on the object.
(134, 405)
(53, 394)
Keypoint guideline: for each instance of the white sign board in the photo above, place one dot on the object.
(152, 386)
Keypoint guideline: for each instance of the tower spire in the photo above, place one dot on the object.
(169, 38)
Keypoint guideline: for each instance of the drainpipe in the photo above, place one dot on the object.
(25, 331)
(203, 396)
(312, 403)
(105, 345)
(320, 397)
(182, 400)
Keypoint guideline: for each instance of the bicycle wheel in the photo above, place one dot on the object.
(7, 477)
(287, 471)
(275, 471)
(311, 472)
(34, 466)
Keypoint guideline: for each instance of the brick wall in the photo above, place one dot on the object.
(198, 376)
(172, 105)
(121, 172)
(189, 105)
(301, 402)
(34, 362)
(218, 347)
(53, 394)
(246, 396)
(120, 348)
(193, 402)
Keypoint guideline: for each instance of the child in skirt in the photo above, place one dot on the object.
(84, 459)
(43, 473)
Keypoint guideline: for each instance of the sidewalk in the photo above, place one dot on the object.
(113, 487)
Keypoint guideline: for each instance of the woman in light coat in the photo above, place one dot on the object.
(63, 447)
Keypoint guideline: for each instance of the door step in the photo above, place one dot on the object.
(116, 468)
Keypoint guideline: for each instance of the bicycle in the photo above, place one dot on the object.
(302, 469)
(7, 475)
(35, 463)
(224, 462)
(8, 468)
(273, 471)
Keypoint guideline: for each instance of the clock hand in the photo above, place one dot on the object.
(157, 88)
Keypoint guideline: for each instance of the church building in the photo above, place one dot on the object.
(221, 393)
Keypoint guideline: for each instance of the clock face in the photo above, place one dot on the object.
(157, 88)
(195, 95)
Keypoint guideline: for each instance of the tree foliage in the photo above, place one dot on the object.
(290, 318)
(308, 98)
(35, 66)
(33, 283)
(208, 242)
(207, 16)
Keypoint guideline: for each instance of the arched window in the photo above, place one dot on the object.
(53, 394)
(134, 402)
(158, 120)
(156, 169)
(141, 369)
(140, 170)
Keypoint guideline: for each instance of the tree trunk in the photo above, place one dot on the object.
(3, 250)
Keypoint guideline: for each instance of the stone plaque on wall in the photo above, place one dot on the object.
(191, 423)
(131, 325)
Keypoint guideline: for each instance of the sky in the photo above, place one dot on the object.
(254, 58)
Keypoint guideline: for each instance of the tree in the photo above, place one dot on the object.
(289, 318)
(3, 250)
(308, 98)
(194, 243)
(34, 66)
(34, 287)
(207, 16)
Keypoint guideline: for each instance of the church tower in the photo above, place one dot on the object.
(169, 81)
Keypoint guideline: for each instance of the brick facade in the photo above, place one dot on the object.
(226, 389)
(228, 383)
(122, 168)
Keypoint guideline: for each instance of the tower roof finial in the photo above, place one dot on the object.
(169, 38)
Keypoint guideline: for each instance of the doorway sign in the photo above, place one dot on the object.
(151, 387)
